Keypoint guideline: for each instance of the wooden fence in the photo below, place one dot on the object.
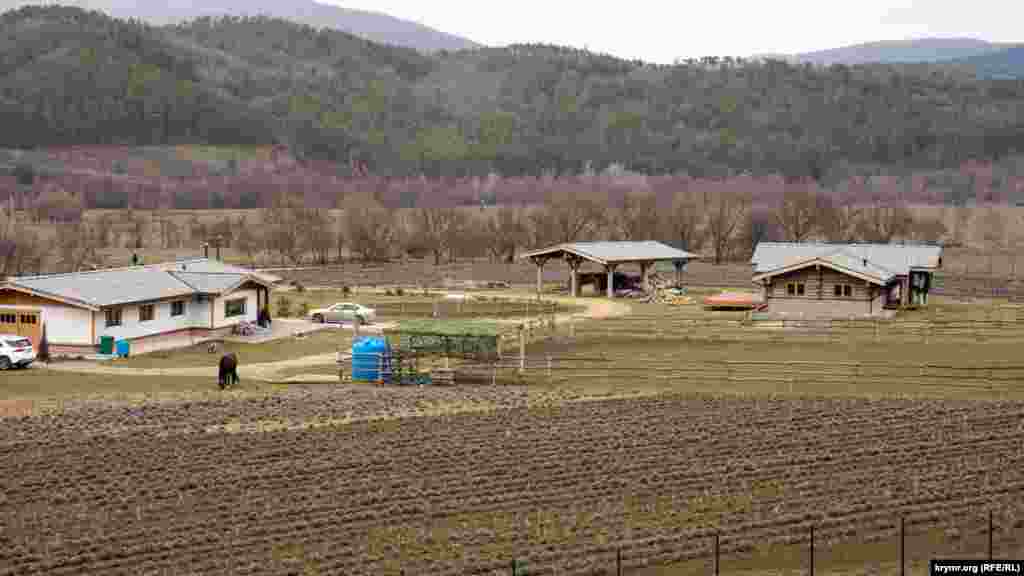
(994, 379)
(830, 331)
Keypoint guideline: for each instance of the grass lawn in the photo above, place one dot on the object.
(322, 342)
(47, 388)
(325, 369)
(632, 354)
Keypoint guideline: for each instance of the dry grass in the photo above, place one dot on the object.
(322, 342)
(46, 388)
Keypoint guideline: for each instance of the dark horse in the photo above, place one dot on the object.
(228, 374)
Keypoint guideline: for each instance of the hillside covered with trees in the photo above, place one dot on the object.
(70, 77)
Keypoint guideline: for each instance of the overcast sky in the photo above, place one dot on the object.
(662, 31)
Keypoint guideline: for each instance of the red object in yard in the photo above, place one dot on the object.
(734, 300)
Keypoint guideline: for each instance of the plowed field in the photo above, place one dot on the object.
(166, 489)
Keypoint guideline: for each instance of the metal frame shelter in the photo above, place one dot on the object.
(610, 255)
(411, 340)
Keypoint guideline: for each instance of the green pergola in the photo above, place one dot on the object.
(469, 339)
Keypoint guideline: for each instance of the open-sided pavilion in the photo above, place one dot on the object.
(610, 255)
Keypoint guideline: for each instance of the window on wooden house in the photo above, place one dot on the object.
(847, 290)
(800, 289)
(838, 290)
(146, 312)
(234, 308)
(790, 289)
(178, 308)
(113, 316)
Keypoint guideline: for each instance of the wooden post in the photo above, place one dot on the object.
(539, 262)
(522, 349)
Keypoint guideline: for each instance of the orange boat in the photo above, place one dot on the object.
(734, 301)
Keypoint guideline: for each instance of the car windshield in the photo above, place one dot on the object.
(22, 343)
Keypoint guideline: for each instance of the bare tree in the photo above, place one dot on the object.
(637, 218)
(884, 222)
(282, 227)
(20, 249)
(75, 247)
(839, 217)
(725, 211)
(244, 240)
(566, 217)
(426, 230)
(138, 231)
(800, 213)
(370, 228)
(758, 226)
(991, 229)
(684, 221)
(317, 233)
(504, 232)
(928, 230)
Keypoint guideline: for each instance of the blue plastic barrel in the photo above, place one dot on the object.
(122, 348)
(369, 355)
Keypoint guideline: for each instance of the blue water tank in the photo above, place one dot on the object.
(123, 348)
(370, 354)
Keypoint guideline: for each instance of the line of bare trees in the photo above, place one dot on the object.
(721, 222)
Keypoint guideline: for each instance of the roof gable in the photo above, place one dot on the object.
(840, 261)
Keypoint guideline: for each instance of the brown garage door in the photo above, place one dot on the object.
(23, 323)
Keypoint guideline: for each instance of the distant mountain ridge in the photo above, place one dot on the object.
(1007, 63)
(902, 51)
(375, 26)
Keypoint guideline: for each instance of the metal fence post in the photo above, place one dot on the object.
(990, 534)
(903, 548)
(812, 551)
(716, 554)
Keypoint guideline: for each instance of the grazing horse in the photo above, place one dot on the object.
(228, 373)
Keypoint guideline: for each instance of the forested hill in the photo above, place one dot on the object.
(72, 77)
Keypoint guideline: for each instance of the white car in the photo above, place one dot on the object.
(15, 352)
(344, 312)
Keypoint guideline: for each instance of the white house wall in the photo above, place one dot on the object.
(64, 324)
(162, 321)
(219, 321)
